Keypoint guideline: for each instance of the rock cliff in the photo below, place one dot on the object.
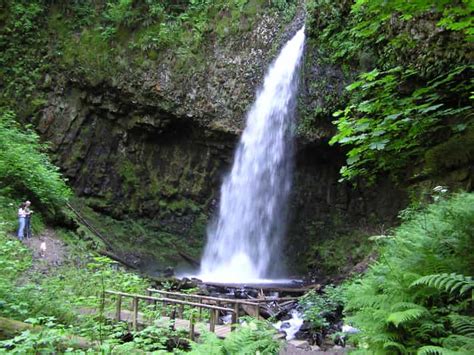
(145, 139)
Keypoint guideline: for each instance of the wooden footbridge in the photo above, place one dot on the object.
(185, 311)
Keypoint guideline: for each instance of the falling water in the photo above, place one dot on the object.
(244, 242)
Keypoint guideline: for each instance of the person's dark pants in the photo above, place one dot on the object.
(28, 227)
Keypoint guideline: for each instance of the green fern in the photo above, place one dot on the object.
(459, 342)
(401, 317)
(435, 350)
(393, 303)
(209, 344)
(447, 282)
(429, 328)
(252, 337)
(394, 345)
(463, 325)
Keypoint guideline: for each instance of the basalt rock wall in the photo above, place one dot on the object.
(146, 151)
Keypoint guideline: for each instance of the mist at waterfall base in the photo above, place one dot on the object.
(244, 242)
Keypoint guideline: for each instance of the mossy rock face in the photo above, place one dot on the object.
(146, 136)
(456, 153)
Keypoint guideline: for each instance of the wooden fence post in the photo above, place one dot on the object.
(235, 316)
(212, 321)
(173, 317)
(118, 308)
(163, 312)
(200, 311)
(191, 326)
(135, 314)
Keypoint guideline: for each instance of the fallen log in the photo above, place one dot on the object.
(10, 328)
(117, 258)
(296, 291)
(190, 259)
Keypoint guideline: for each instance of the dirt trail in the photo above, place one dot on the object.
(48, 250)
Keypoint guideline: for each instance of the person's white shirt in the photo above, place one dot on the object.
(21, 212)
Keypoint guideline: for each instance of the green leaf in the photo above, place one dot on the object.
(380, 145)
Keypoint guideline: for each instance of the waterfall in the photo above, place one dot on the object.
(244, 241)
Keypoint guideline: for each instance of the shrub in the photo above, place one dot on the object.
(252, 337)
(24, 166)
(321, 309)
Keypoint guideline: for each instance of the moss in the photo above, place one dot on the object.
(91, 54)
(457, 152)
(335, 256)
(140, 237)
(199, 226)
(128, 172)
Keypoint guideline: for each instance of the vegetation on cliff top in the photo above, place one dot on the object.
(99, 39)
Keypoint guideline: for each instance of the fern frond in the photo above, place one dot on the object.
(399, 306)
(460, 342)
(463, 325)
(398, 318)
(447, 282)
(427, 329)
(435, 350)
(393, 344)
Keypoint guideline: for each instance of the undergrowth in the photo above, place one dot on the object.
(418, 297)
(53, 302)
(251, 337)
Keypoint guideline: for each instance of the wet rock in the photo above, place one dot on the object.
(300, 344)
(306, 326)
(168, 272)
(186, 283)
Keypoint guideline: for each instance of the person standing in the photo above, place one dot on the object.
(21, 221)
(28, 219)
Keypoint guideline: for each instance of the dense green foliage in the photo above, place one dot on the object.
(414, 87)
(25, 168)
(252, 337)
(24, 55)
(419, 296)
(386, 129)
(322, 309)
(53, 300)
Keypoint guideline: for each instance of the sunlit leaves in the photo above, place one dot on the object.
(25, 166)
(386, 127)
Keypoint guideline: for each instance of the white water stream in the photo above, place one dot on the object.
(290, 326)
(244, 242)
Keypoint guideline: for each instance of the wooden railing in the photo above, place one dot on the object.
(213, 309)
(233, 302)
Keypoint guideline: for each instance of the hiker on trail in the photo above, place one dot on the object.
(28, 219)
(21, 220)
